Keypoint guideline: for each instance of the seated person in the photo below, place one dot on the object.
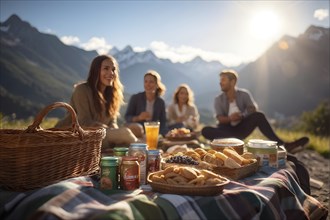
(236, 112)
(147, 105)
(97, 101)
(183, 113)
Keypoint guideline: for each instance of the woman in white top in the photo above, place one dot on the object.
(183, 113)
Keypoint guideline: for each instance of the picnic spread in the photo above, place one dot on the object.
(222, 182)
(268, 194)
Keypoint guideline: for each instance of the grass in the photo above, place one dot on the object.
(7, 123)
(317, 143)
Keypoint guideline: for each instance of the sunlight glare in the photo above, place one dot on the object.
(283, 45)
(265, 25)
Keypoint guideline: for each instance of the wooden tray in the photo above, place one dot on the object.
(188, 190)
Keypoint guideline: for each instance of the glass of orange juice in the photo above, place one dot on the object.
(152, 132)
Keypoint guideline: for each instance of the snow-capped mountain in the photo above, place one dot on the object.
(316, 33)
(127, 57)
(37, 69)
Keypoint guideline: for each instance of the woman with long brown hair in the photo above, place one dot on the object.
(98, 100)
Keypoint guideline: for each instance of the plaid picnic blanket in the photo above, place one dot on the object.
(269, 194)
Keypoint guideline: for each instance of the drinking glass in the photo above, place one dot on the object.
(152, 132)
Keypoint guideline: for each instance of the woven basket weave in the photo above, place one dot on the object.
(35, 158)
(237, 173)
(187, 189)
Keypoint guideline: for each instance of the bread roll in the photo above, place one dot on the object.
(234, 155)
(231, 163)
(248, 155)
(169, 170)
(201, 152)
(188, 173)
(209, 174)
(210, 158)
(220, 156)
(159, 179)
(211, 151)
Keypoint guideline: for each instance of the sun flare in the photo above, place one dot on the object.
(265, 25)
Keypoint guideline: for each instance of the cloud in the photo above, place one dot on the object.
(50, 31)
(185, 53)
(139, 49)
(321, 14)
(97, 43)
(70, 40)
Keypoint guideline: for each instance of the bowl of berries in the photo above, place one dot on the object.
(181, 159)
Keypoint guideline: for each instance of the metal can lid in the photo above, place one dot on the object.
(130, 158)
(138, 145)
(109, 161)
(153, 152)
(259, 143)
(120, 149)
(227, 142)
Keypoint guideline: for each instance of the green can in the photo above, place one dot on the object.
(120, 151)
(109, 173)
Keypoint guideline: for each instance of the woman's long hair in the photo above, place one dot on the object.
(113, 95)
(190, 100)
(161, 88)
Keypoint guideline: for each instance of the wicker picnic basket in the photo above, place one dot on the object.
(37, 157)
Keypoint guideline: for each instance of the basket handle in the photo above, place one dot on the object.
(38, 119)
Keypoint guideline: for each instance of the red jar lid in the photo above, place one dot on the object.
(130, 158)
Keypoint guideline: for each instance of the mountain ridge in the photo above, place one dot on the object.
(37, 69)
(291, 66)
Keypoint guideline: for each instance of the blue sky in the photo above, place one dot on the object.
(228, 31)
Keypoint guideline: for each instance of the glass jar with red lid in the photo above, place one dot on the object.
(130, 173)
